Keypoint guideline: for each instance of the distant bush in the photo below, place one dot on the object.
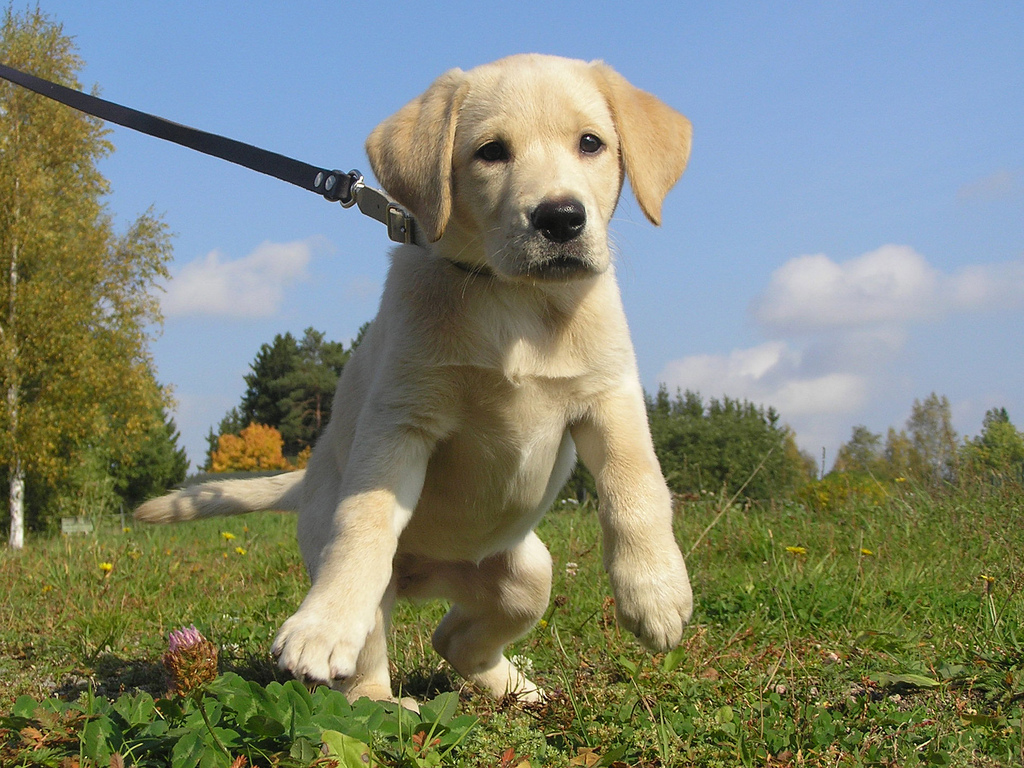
(725, 444)
(842, 489)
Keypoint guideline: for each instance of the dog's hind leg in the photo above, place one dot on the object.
(494, 603)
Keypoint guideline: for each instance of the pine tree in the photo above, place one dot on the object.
(290, 387)
(156, 466)
(310, 387)
(76, 306)
(263, 401)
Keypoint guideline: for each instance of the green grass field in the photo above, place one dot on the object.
(888, 634)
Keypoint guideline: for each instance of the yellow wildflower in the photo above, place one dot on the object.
(240, 550)
(228, 535)
(796, 550)
(106, 567)
(866, 552)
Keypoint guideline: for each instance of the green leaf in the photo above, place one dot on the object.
(25, 707)
(169, 709)
(304, 751)
(188, 750)
(724, 714)
(351, 752)
(265, 700)
(96, 738)
(441, 709)
(296, 691)
(909, 680)
(136, 710)
(673, 659)
(264, 727)
(987, 721)
(370, 713)
(228, 684)
(297, 708)
(212, 757)
(628, 665)
(612, 755)
(458, 728)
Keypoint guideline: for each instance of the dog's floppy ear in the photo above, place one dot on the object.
(655, 139)
(411, 152)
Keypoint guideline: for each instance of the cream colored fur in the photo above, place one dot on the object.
(498, 353)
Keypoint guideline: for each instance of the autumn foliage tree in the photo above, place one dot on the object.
(256, 448)
(76, 301)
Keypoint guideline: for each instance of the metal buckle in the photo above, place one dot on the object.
(354, 185)
(399, 224)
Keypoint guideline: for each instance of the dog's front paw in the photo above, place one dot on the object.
(317, 649)
(653, 600)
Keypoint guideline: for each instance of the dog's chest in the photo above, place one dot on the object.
(489, 482)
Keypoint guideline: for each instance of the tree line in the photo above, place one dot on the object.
(928, 450)
(84, 424)
(715, 446)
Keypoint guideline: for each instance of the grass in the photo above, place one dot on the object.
(872, 634)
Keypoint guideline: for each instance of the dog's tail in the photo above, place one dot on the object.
(225, 497)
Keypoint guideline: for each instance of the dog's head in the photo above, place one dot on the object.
(517, 166)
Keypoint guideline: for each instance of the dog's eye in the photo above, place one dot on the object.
(493, 152)
(590, 144)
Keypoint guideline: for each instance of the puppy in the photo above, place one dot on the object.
(499, 352)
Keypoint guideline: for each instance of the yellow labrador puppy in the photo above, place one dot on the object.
(499, 352)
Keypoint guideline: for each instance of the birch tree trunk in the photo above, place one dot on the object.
(17, 506)
(16, 500)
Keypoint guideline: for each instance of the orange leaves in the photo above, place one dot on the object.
(257, 447)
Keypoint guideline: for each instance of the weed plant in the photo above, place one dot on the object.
(884, 631)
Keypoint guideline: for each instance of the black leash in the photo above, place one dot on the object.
(335, 186)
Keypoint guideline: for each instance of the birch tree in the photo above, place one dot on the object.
(77, 307)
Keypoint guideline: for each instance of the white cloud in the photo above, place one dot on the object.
(249, 287)
(836, 333)
(771, 374)
(893, 285)
(988, 286)
(996, 186)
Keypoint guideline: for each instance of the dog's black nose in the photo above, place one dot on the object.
(559, 220)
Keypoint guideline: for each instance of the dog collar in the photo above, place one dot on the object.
(476, 271)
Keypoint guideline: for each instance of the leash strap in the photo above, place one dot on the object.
(335, 186)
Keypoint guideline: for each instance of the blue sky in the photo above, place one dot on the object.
(849, 234)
